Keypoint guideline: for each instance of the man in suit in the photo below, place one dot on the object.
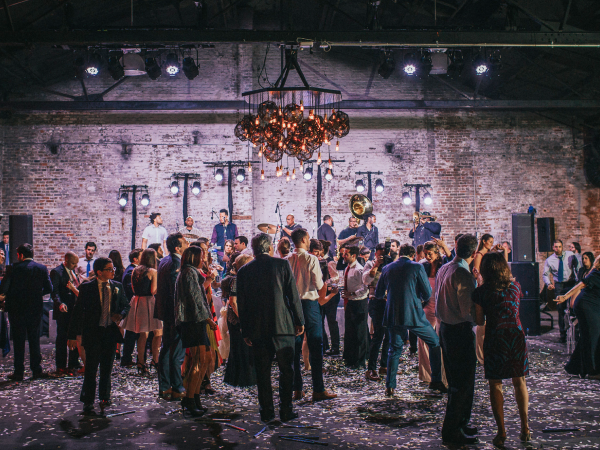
(407, 285)
(271, 317)
(100, 306)
(130, 338)
(5, 247)
(64, 294)
(28, 283)
(327, 233)
(170, 384)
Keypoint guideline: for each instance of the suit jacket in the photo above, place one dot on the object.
(60, 293)
(127, 281)
(407, 285)
(164, 307)
(88, 310)
(267, 298)
(29, 282)
(326, 233)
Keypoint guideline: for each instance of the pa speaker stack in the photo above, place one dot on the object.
(20, 228)
(526, 271)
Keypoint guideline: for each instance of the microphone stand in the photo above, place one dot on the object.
(280, 226)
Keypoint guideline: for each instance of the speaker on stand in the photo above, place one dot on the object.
(21, 232)
(546, 235)
(528, 276)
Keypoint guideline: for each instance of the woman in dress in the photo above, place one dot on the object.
(587, 261)
(194, 321)
(433, 261)
(240, 366)
(585, 300)
(141, 315)
(504, 348)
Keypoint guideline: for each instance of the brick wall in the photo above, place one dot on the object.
(482, 165)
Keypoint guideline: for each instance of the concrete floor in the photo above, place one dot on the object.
(45, 414)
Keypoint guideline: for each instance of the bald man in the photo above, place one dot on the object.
(289, 227)
(65, 283)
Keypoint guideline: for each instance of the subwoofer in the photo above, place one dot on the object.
(528, 276)
(529, 313)
(523, 237)
(546, 236)
(20, 228)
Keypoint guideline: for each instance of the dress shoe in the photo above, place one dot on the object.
(15, 377)
(177, 395)
(389, 392)
(104, 404)
(460, 439)
(39, 375)
(298, 395)
(60, 373)
(470, 431)
(267, 417)
(166, 395)
(288, 416)
(88, 409)
(189, 406)
(325, 395)
(438, 386)
(371, 375)
(383, 371)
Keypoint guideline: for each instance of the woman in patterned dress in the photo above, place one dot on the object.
(504, 348)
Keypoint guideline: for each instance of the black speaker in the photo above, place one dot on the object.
(528, 276)
(529, 313)
(546, 236)
(523, 237)
(21, 232)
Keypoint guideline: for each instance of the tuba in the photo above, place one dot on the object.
(360, 206)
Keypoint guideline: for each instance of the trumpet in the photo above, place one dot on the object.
(417, 218)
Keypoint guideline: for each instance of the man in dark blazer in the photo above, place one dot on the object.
(5, 247)
(28, 283)
(65, 282)
(407, 286)
(271, 317)
(101, 305)
(130, 338)
(170, 384)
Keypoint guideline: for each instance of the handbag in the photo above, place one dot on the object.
(232, 316)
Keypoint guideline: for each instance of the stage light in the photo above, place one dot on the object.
(219, 174)
(172, 64)
(190, 69)
(114, 67)
(145, 200)
(360, 186)
(308, 174)
(153, 69)
(427, 198)
(93, 65)
(406, 198)
(174, 187)
(480, 65)
(329, 175)
(123, 199)
(196, 188)
(241, 175)
(386, 69)
(379, 185)
(411, 64)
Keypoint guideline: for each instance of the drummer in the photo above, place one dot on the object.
(190, 233)
(223, 231)
(289, 227)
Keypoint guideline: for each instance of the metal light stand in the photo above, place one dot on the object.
(320, 184)
(186, 177)
(370, 187)
(133, 189)
(230, 165)
(417, 188)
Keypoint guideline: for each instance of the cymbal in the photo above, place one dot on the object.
(267, 228)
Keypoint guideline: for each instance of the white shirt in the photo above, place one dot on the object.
(155, 235)
(354, 282)
(368, 280)
(247, 251)
(307, 272)
(82, 266)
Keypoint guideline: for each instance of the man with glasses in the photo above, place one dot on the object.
(101, 305)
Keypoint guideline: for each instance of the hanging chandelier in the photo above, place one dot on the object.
(293, 121)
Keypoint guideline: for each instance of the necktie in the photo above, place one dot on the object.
(560, 270)
(89, 267)
(74, 278)
(105, 305)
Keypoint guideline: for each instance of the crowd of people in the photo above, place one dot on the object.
(450, 306)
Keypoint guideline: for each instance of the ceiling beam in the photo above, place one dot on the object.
(235, 105)
(365, 38)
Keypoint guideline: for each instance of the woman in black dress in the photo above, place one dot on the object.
(240, 368)
(194, 320)
(585, 300)
(504, 347)
(587, 261)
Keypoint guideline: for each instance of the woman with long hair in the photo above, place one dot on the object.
(587, 264)
(433, 261)
(504, 348)
(227, 251)
(585, 300)
(141, 315)
(115, 257)
(194, 320)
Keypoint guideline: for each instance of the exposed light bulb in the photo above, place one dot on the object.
(337, 146)
(249, 167)
(257, 121)
(260, 151)
(287, 176)
(330, 164)
(253, 145)
(311, 114)
(294, 174)
(301, 106)
(319, 160)
(262, 174)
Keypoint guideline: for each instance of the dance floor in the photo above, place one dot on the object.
(45, 413)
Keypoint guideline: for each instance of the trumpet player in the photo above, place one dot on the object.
(425, 228)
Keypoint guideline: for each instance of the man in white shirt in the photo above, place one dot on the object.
(312, 291)
(155, 233)
(356, 336)
(85, 267)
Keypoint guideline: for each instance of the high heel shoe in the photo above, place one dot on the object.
(198, 403)
(499, 441)
(188, 405)
(525, 436)
(142, 369)
(154, 365)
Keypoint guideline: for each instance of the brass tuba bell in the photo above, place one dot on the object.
(360, 206)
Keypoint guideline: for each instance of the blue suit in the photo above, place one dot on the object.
(425, 232)
(406, 284)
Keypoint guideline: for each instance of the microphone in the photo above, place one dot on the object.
(277, 207)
